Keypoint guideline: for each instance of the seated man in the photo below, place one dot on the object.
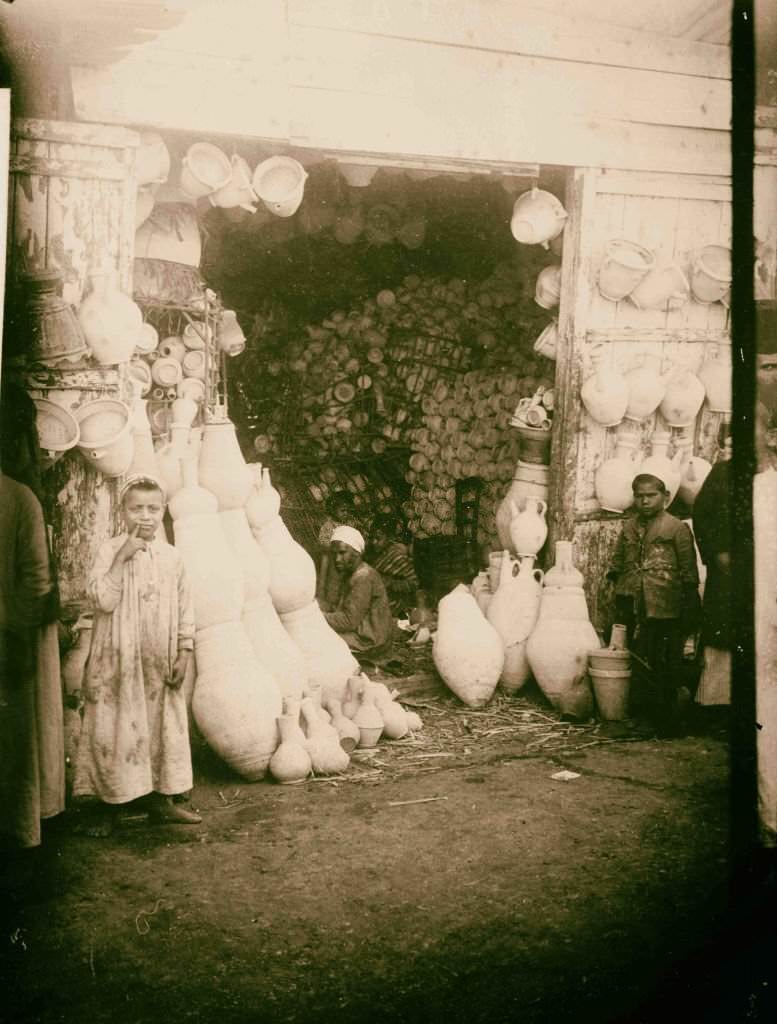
(391, 559)
(361, 612)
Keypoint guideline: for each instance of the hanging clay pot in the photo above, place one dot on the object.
(547, 342)
(711, 275)
(558, 649)
(646, 391)
(231, 339)
(238, 191)
(327, 656)
(54, 334)
(693, 472)
(213, 571)
(105, 435)
(716, 375)
(663, 287)
(513, 613)
(467, 651)
(624, 265)
(368, 719)
(57, 428)
(683, 398)
(291, 762)
(204, 169)
(538, 217)
(322, 742)
(110, 320)
(613, 478)
(222, 468)
(528, 527)
(660, 465)
(547, 292)
(236, 703)
(272, 645)
(605, 394)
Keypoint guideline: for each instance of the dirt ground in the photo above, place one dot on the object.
(506, 895)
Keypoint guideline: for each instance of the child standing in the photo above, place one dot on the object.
(656, 591)
(135, 737)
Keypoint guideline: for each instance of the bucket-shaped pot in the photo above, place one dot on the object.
(711, 274)
(547, 292)
(611, 690)
(358, 175)
(106, 440)
(171, 233)
(280, 184)
(547, 343)
(238, 191)
(607, 659)
(624, 265)
(204, 169)
(58, 430)
(538, 217)
(664, 287)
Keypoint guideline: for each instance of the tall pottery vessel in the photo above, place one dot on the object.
(467, 651)
(513, 612)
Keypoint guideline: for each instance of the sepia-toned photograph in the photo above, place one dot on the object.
(388, 511)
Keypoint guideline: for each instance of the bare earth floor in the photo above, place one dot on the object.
(504, 896)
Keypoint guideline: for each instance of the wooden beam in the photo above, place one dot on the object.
(107, 135)
(49, 167)
(657, 335)
(506, 27)
(686, 186)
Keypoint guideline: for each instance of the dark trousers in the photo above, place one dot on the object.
(658, 643)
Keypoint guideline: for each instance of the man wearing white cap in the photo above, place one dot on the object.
(361, 613)
(656, 580)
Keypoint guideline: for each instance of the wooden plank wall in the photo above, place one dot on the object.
(674, 216)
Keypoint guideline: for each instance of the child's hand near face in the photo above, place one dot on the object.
(132, 545)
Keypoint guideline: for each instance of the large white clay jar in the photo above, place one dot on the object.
(272, 645)
(328, 658)
(613, 478)
(292, 570)
(236, 701)
(512, 612)
(693, 472)
(646, 391)
(659, 464)
(528, 528)
(223, 470)
(531, 481)
(605, 393)
(467, 651)
(715, 375)
(212, 568)
(683, 398)
(559, 644)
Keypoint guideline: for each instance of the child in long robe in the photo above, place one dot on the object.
(135, 737)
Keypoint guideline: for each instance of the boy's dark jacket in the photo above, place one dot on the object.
(656, 565)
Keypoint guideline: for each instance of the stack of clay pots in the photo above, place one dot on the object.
(610, 673)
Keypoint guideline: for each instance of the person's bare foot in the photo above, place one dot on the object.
(163, 811)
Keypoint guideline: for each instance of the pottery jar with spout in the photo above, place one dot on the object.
(646, 391)
(513, 613)
(394, 716)
(111, 321)
(322, 742)
(327, 656)
(528, 528)
(271, 643)
(664, 287)
(624, 265)
(538, 217)
(264, 501)
(236, 703)
(659, 464)
(716, 375)
(683, 398)
(368, 719)
(347, 731)
(291, 761)
(559, 644)
(613, 478)
(214, 573)
(222, 467)
(605, 394)
(530, 481)
(467, 650)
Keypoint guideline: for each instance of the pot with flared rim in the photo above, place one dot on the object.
(711, 274)
(624, 265)
(279, 182)
(58, 430)
(106, 440)
(204, 169)
(238, 191)
(664, 287)
(538, 217)
(611, 692)
(547, 342)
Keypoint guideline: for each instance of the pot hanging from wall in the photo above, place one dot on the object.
(54, 332)
(547, 292)
(683, 398)
(112, 323)
(605, 394)
(58, 430)
(624, 265)
(613, 478)
(538, 217)
(204, 169)
(662, 288)
(716, 375)
(280, 183)
(711, 275)
(105, 439)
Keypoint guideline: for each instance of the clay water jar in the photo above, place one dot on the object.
(624, 265)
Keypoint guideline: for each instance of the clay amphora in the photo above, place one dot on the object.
(624, 265)
(236, 703)
(322, 742)
(212, 569)
(646, 391)
(613, 478)
(528, 528)
(513, 613)
(110, 320)
(659, 464)
(368, 719)
(529, 481)
(563, 572)
(558, 649)
(291, 762)
(327, 657)
(683, 398)
(467, 650)
(347, 731)
(271, 643)
(605, 394)
(715, 375)
(222, 467)
(663, 287)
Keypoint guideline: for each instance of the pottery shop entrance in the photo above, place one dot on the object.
(391, 324)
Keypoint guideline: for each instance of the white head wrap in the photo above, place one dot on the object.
(657, 474)
(347, 535)
(141, 478)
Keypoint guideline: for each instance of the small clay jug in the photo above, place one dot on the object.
(368, 719)
(290, 764)
(347, 730)
(528, 528)
(322, 742)
(353, 689)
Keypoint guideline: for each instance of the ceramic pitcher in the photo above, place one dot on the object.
(613, 478)
(683, 398)
(715, 375)
(528, 528)
(646, 391)
(605, 393)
